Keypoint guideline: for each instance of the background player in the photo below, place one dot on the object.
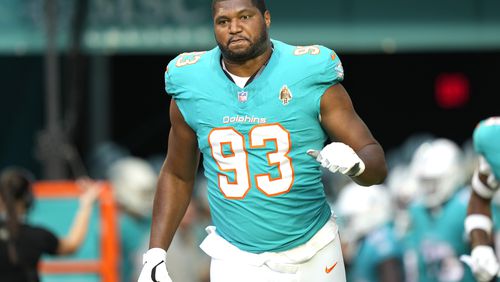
(371, 249)
(434, 240)
(478, 223)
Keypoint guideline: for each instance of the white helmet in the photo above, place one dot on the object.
(438, 168)
(402, 185)
(134, 184)
(362, 209)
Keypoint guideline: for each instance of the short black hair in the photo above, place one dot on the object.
(259, 4)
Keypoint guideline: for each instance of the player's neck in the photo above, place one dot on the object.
(249, 67)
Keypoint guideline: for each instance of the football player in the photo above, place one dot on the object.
(478, 223)
(260, 112)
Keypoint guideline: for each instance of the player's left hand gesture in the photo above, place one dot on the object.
(339, 157)
(483, 263)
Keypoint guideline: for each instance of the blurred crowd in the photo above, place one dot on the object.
(410, 228)
(134, 183)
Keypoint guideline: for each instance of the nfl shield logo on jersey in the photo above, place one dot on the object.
(285, 95)
(242, 96)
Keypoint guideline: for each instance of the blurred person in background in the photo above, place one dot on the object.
(482, 210)
(189, 264)
(403, 187)
(436, 236)
(134, 182)
(401, 179)
(260, 111)
(21, 244)
(372, 251)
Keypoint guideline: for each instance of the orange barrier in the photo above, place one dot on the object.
(107, 266)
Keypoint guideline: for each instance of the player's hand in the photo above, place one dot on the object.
(339, 157)
(483, 263)
(154, 268)
(485, 169)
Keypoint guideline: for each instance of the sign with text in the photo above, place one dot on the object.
(122, 26)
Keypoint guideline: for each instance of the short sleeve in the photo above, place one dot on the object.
(326, 70)
(486, 138)
(169, 84)
(174, 77)
(48, 241)
(333, 72)
(182, 71)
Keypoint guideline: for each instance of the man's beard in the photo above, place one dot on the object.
(255, 49)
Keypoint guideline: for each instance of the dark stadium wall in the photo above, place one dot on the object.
(21, 110)
(394, 94)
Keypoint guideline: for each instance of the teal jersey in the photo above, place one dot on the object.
(377, 247)
(265, 192)
(434, 242)
(486, 139)
(495, 213)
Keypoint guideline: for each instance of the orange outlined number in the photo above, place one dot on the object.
(302, 50)
(259, 136)
(227, 138)
(190, 58)
(235, 162)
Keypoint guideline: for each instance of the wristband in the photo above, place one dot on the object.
(478, 221)
(484, 168)
(492, 182)
(154, 253)
(480, 188)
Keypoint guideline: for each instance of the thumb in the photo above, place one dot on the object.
(468, 261)
(313, 153)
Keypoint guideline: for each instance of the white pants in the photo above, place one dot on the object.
(318, 260)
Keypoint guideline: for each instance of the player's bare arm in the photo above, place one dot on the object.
(478, 222)
(176, 180)
(343, 124)
(479, 205)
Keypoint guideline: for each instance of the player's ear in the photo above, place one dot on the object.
(267, 18)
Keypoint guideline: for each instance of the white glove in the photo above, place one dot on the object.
(484, 168)
(339, 157)
(482, 262)
(154, 268)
